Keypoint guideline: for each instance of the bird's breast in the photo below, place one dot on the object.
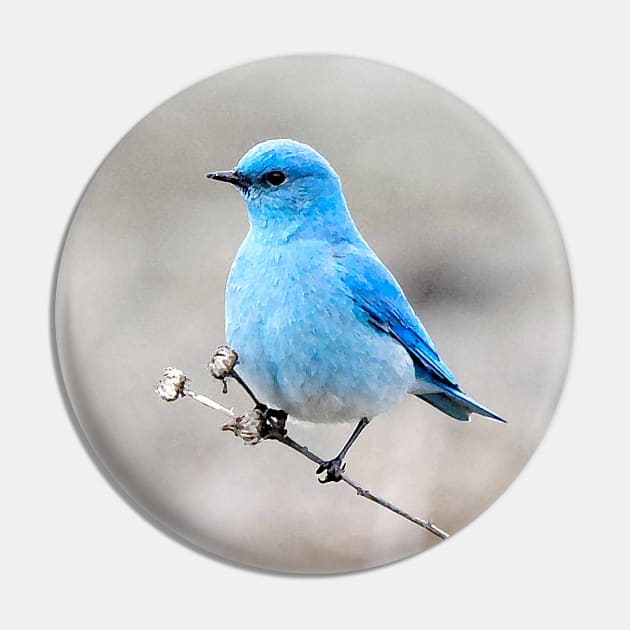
(301, 345)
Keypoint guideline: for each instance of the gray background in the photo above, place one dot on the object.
(446, 204)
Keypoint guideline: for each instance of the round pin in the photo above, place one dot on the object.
(313, 314)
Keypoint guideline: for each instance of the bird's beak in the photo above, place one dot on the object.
(231, 177)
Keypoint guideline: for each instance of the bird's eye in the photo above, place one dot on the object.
(275, 178)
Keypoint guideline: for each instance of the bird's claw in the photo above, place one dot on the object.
(273, 422)
(332, 470)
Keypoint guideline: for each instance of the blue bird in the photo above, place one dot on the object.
(321, 327)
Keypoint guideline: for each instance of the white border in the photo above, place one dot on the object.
(553, 78)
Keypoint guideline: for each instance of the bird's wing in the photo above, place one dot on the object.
(376, 294)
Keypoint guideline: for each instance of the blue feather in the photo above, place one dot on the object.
(375, 291)
(322, 328)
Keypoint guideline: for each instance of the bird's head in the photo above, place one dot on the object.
(289, 189)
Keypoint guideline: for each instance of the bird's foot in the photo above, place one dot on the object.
(331, 470)
(274, 423)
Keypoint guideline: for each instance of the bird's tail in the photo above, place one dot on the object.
(455, 403)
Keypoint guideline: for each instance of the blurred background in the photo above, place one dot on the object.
(444, 201)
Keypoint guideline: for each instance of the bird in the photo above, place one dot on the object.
(322, 329)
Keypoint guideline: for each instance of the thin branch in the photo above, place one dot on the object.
(208, 402)
(428, 525)
(363, 492)
(245, 386)
(259, 424)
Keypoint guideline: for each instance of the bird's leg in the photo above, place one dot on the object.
(334, 467)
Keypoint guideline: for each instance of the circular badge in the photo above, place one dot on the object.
(313, 314)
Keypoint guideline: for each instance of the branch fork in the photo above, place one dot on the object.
(263, 423)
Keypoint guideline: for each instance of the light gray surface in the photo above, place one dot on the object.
(446, 204)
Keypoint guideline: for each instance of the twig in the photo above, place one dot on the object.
(363, 492)
(254, 426)
(428, 525)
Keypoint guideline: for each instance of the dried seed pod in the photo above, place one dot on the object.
(222, 362)
(247, 427)
(171, 385)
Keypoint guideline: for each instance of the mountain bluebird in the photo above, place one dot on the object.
(321, 327)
